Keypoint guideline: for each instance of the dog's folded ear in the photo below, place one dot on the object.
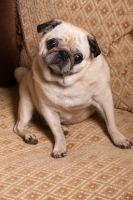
(48, 26)
(94, 48)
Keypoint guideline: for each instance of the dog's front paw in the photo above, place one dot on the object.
(58, 154)
(30, 139)
(59, 151)
(123, 143)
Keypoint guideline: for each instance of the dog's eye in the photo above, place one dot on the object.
(51, 44)
(78, 58)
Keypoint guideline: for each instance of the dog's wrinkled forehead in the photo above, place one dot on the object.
(69, 35)
(73, 36)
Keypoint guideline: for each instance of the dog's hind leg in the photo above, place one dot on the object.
(25, 112)
(105, 105)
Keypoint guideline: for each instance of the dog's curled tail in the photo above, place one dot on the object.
(19, 73)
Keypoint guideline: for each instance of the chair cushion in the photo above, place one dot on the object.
(93, 168)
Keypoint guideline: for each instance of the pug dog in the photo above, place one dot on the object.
(68, 81)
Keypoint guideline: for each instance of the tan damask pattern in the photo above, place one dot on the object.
(94, 169)
(112, 23)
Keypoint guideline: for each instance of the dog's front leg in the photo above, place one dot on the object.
(104, 103)
(53, 120)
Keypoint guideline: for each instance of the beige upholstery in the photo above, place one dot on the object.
(94, 169)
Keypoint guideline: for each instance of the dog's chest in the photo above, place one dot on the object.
(66, 98)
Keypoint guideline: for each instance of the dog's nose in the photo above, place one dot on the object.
(63, 55)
